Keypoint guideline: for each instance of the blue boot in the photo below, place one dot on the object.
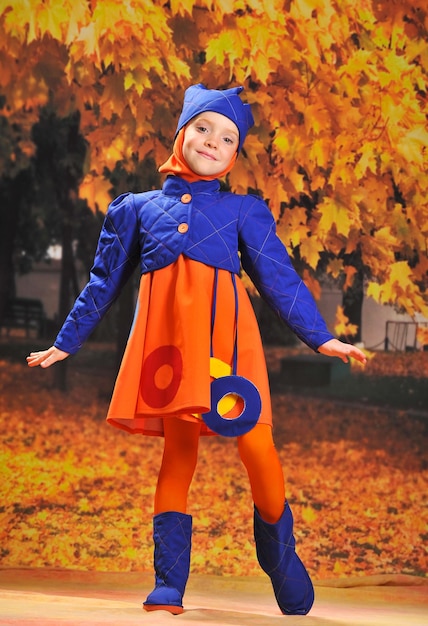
(276, 554)
(172, 534)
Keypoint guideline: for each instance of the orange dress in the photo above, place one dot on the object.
(165, 369)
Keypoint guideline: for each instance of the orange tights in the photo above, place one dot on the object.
(257, 452)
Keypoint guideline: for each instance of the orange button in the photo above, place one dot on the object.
(186, 198)
(183, 228)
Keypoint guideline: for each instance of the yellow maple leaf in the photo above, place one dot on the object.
(96, 191)
(298, 181)
(309, 514)
(274, 194)
(320, 152)
(310, 250)
(343, 169)
(339, 567)
(223, 6)
(227, 46)
(317, 119)
(400, 274)
(181, 7)
(292, 227)
(385, 237)
(241, 177)
(334, 215)
(350, 272)
(307, 7)
(261, 67)
(178, 67)
(335, 267)
(84, 506)
(367, 161)
(138, 79)
(282, 140)
(342, 326)
(413, 145)
(53, 17)
(374, 290)
(396, 65)
(88, 37)
(78, 16)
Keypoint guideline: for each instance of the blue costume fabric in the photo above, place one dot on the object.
(219, 229)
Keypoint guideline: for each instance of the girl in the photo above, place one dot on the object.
(194, 362)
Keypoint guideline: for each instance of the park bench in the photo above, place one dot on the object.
(25, 313)
(312, 370)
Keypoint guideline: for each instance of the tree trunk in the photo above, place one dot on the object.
(352, 302)
(9, 217)
(66, 290)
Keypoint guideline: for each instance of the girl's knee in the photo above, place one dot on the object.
(181, 446)
(257, 443)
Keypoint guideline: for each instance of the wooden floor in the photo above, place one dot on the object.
(48, 598)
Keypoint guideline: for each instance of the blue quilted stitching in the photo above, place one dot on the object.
(219, 222)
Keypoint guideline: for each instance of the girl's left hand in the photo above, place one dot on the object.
(334, 347)
(46, 358)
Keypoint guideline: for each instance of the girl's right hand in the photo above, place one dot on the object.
(46, 358)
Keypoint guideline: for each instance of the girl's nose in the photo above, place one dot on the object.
(211, 142)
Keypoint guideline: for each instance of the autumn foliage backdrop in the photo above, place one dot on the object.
(338, 90)
(339, 151)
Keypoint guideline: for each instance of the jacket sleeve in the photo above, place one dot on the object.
(116, 257)
(266, 260)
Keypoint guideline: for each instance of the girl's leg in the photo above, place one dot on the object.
(178, 464)
(260, 458)
(273, 523)
(172, 527)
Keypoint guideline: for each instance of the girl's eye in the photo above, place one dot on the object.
(228, 140)
(202, 129)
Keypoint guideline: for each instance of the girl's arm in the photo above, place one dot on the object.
(266, 260)
(334, 347)
(116, 257)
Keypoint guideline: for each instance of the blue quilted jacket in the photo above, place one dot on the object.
(217, 228)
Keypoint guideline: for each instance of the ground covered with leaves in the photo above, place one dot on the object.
(76, 493)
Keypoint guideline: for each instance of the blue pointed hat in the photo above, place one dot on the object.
(198, 99)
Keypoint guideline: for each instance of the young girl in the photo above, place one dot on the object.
(194, 362)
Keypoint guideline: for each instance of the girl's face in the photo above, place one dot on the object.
(210, 142)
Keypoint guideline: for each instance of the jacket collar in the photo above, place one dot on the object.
(176, 186)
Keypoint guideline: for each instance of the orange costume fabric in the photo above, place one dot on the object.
(165, 370)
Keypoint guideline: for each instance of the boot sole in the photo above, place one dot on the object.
(175, 610)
